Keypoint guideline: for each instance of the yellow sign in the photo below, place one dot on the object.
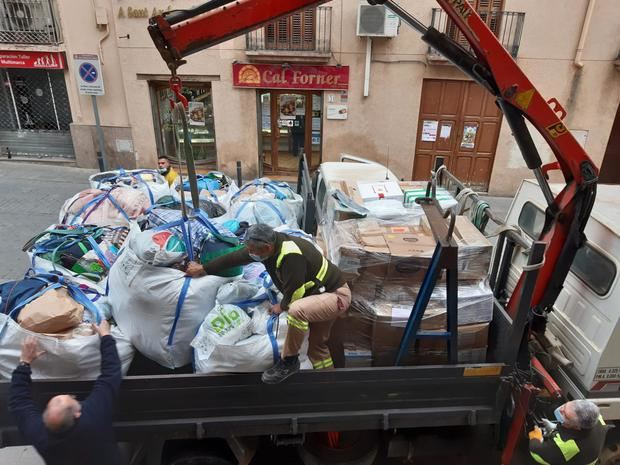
(523, 99)
(133, 12)
(494, 370)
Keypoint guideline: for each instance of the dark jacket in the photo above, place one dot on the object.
(570, 446)
(91, 439)
(295, 270)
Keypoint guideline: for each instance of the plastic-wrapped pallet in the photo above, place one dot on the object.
(400, 251)
(159, 309)
(150, 182)
(255, 210)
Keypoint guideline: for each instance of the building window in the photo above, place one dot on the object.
(308, 30)
(295, 32)
(29, 22)
(200, 119)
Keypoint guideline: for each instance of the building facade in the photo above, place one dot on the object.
(305, 83)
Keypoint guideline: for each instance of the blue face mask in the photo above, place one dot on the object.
(559, 416)
(257, 258)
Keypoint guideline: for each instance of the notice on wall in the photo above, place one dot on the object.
(288, 109)
(445, 132)
(316, 124)
(429, 130)
(197, 114)
(337, 112)
(469, 135)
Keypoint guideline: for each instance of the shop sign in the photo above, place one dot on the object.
(291, 77)
(33, 60)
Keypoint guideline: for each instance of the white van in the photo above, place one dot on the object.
(585, 319)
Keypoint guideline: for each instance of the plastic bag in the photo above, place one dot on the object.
(158, 248)
(225, 324)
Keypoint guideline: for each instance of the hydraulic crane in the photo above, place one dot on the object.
(180, 33)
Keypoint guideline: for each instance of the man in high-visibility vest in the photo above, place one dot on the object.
(314, 293)
(576, 439)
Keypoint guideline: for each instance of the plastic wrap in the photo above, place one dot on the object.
(375, 323)
(400, 251)
(266, 189)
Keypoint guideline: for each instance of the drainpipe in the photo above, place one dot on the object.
(584, 33)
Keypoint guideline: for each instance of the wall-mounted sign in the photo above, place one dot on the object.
(429, 130)
(88, 74)
(35, 60)
(291, 77)
(337, 112)
(141, 12)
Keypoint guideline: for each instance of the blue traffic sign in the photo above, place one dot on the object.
(88, 72)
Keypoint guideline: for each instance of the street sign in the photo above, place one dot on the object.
(88, 75)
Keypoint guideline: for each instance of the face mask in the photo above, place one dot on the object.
(559, 416)
(257, 258)
(163, 171)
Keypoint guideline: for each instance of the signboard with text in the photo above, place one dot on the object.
(88, 75)
(291, 77)
(32, 60)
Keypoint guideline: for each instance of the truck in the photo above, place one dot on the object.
(355, 415)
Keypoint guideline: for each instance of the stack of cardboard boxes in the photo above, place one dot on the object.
(385, 263)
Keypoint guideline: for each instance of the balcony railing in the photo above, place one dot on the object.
(28, 22)
(506, 25)
(306, 31)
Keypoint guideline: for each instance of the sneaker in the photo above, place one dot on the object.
(281, 370)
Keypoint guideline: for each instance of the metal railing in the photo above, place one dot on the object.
(506, 25)
(29, 22)
(306, 31)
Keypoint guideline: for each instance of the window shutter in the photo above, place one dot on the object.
(295, 32)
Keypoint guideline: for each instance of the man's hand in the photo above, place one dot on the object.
(103, 329)
(195, 270)
(30, 350)
(548, 426)
(536, 433)
(275, 309)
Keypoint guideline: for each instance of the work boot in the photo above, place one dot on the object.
(284, 368)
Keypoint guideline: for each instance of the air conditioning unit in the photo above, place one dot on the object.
(376, 21)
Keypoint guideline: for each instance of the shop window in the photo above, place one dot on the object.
(200, 119)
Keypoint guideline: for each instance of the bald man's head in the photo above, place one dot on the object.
(61, 413)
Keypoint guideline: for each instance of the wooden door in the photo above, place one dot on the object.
(458, 127)
(610, 169)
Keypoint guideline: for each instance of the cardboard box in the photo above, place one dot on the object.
(387, 358)
(387, 336)
(372, 191)
(357, 357)
(403, 252)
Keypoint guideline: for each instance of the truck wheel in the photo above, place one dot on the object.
(610, 455)
(354, 448)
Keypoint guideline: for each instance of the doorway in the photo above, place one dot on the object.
(458, 126)
(610, 168)
(291, 124)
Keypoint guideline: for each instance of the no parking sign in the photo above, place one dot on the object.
(88, 74)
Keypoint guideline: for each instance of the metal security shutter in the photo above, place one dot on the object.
(35, 114)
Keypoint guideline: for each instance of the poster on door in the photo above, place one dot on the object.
(429, 130)
(288, 107)
(469, 135)
(197, 114)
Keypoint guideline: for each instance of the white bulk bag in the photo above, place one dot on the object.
(78, 357)
(150, 182)
(145, 302)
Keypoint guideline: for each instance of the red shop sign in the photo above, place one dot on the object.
(291, 77)
(37, 60)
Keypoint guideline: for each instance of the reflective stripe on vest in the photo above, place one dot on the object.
(568, 448)
(539, 459)
(288, 248)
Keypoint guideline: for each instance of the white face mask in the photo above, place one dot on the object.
(257, 258)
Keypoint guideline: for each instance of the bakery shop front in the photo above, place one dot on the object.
(290, 110)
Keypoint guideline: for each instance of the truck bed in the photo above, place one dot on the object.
(197, 406)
